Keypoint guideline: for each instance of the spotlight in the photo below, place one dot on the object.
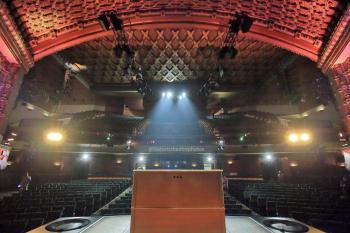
(268, 157)
(305, 137)
(246, 23)
(141, 158)
(210, 159)
(293, 137)
(54, 136)
(103, 20)
(85, 157)
(235, 25)
(180, 97)
(163, 94)
(10, 139)
(13, 134)
(184, 94)
(128, 142)
(169, 94)
(116, 22)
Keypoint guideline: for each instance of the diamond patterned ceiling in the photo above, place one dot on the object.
(298, 25)
(174, 55)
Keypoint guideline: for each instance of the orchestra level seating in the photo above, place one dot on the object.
(314, 204)
(43, 203)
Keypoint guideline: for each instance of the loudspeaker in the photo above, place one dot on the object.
(68, 225)
(287, 225)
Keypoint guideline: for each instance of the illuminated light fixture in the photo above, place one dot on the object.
(163, 94)
(119, 161)
(268, 157)
(341, 134)
(293, 164)
(341, 164)
(54, 136)
(57, 164)
(210, 159)
(183, 94)
(229, 162)
(305, 114)
(10, 139)
(30, 107)
(194, 165)
(128, 142)
(305, 137)
(169, 94)
(175, 166)
(141, 158)
(156, 164)
(14, 134)
(293, 137)
(321, 108)
(180, 97)
(85, 157)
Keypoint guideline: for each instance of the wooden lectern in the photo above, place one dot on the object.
(177, 201)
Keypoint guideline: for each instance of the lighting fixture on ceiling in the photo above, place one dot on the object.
(103, 20)
(116, 22)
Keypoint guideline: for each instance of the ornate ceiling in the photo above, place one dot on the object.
(301, 26)
(175, 55)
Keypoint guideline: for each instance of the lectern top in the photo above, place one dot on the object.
(177, 189)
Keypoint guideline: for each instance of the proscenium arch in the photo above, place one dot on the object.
(93, 31)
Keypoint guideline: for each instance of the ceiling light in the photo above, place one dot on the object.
(119, 161)
(184, 94)
(210, 159)
(14, 134)
(141, 158)
(163, 94)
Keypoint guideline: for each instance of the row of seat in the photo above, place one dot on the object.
(47, 202)
(309, 203)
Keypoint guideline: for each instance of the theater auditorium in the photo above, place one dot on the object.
(182, 116)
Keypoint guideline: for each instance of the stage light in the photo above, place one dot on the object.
(13, 134)
(194, 165)
(230, 162)
(293, 164)
(210, 159)
(184, 94)
(57, 164)
(10, 139)
(268, 157)
(141, 158)
(85, 157)
(119, 161)
(103, 20)
(163, 94)
(116, 22)
(246, 23)
(293, 137)
(156, 164)
(169, 94)
(54, 136)
(128, 142)
(180, 97)
(305, 137)
(235, 25)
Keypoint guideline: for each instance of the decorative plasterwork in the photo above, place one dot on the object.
(299, 26)
(7, 79)
(337, 43)
(12, 45)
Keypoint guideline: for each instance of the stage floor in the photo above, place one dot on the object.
(120, 224)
